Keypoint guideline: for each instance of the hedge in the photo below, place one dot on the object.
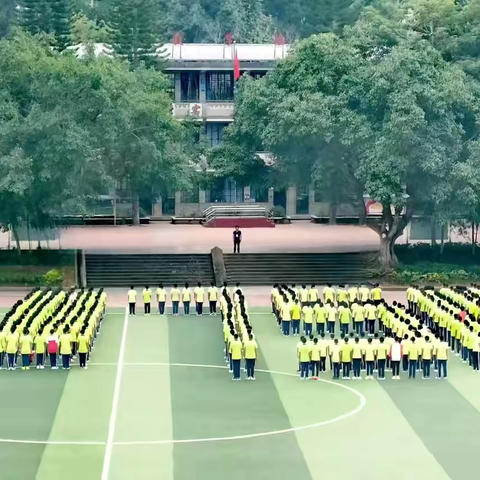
(453, 254)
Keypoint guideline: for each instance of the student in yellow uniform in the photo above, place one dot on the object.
(304, 358)
(381, 350)
(3, 347)
(369, 354)
(296, 315)
(307, 314)
(345, 316)
(132, 300)
(250, 349)
(312, 295)
(40, 349)
(199, 295)
(175, 297)
(66, 347)
(370, 311)
(441, 352)
(186, 299)
(328, 294)
(285, 315)
(83, 348)
(323, 350)
(376, 294)
(26, 348)
(358, 317)
(303, 293)
(476, 352)
(334, 352)
(363, 293)
(357, 354)
(413, 354)
(331, 317)
(147, 299)
(341, 294)
(352, 294)
(161, 295)
(12, 347)
(346, 357)
(320, 315)
(406, 342)
(236, 353)
(427, 357)
(315, 359)
(212, 298)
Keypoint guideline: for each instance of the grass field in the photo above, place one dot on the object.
(154, 405)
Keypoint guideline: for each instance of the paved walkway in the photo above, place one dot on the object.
(166, 238)
(117, 297)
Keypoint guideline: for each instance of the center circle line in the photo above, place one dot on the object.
(361, 405)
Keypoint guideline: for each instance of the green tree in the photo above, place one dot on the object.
(8, 16)
(47, 16)
(135, 30)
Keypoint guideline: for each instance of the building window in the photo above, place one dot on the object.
(219, 86)
(259, 194)
(189, 84)
(171, 85)
(302, 200)
(225, 191)
(318, 196)
(214, 132)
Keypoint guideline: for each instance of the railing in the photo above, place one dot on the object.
(236, 210)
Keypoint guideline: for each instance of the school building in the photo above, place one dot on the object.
(203, 88)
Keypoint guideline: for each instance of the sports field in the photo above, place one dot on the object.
(158, 403)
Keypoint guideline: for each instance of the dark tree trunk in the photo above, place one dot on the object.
(433, 232)
(17, 240)
(333, 213)
(387, 256)
(135, 208)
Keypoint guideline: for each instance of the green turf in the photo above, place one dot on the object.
(432, 425)
(206, 403)
(29, 403)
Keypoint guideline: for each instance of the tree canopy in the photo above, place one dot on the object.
(378, 110)
(70, 128)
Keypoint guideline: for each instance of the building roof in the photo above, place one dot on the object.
(218, 52)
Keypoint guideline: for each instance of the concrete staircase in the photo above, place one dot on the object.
(298, 268)
(123, 270)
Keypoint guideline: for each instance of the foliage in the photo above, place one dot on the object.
(47, 16)
(51, 258)
(278, 211)
(134, 23)
(53, 277)
(449, 253)
(85, 31)
(8, 16)
(112, 124)
(210, 21)
(434, 273)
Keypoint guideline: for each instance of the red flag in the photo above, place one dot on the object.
(236, 67)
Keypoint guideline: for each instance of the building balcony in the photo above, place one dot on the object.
(212, 111)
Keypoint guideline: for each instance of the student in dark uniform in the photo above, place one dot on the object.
(237, 239)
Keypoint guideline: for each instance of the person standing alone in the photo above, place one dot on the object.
(237, 239)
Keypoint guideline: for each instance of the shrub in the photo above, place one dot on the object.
(278, 211)
(53, 277)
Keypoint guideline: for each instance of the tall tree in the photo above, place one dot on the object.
(8, 16)
(61, 15)
(135, 30)
(47, 16)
